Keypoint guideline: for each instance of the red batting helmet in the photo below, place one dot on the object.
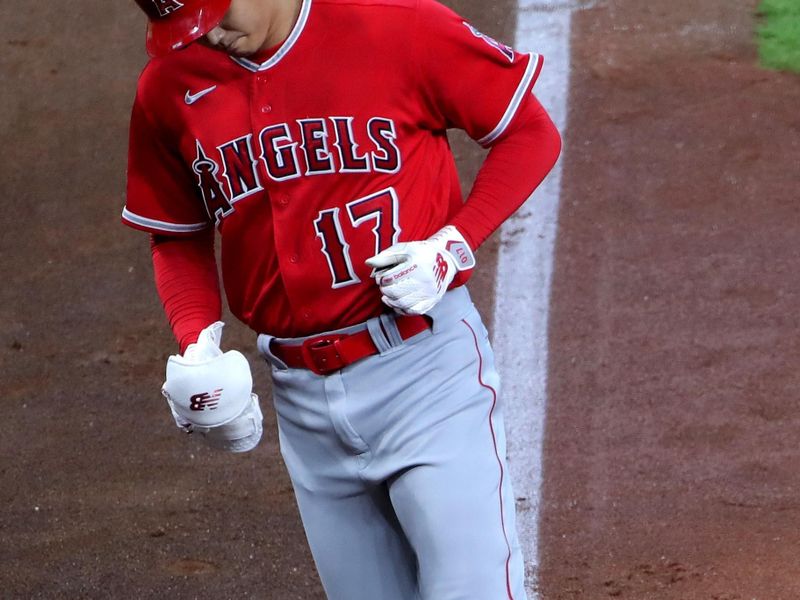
(175, 23)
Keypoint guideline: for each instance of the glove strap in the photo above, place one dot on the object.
(452, 241)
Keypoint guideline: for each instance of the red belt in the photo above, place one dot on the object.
(325, 354)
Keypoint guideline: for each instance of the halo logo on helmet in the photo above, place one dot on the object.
(174, 24)
(164, 7)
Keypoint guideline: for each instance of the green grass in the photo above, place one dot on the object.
(779, 34)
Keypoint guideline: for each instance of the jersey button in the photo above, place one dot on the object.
(266, 108)
(295, 259)
(283, 200)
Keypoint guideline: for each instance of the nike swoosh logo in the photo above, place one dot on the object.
(192, 98)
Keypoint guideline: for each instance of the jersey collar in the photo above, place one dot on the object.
(273, 60)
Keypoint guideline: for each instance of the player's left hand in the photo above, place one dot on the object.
(413, 276)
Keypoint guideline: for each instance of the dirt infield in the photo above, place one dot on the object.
(672, 414)
(671, 451)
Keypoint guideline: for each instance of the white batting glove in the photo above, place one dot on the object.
(210, 392)
(413, 276)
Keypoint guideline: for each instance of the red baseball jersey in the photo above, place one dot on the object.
(327, 152)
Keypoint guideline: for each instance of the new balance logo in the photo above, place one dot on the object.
(398, 276)
(192, 98)
(201, 402)
(440, 269)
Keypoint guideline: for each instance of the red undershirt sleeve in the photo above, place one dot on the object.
(515, 166)
(187, 281)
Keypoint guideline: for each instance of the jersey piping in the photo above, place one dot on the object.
(165, 226)
(531, 73)
(273, 60)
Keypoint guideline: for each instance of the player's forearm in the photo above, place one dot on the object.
(187, 282)
(514, 167)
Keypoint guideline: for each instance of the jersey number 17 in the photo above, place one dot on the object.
(380, 207)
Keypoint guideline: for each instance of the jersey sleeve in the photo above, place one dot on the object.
(161, 194)
(469, 80)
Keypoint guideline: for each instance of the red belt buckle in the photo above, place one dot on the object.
(322, 356)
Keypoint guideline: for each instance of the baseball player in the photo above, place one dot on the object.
(311, 135)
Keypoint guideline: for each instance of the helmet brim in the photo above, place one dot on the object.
(183, 27)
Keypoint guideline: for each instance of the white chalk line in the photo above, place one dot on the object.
(527, 242)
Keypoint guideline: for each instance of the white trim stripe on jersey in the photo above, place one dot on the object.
(135, 219)
(284, 49)
(531, 73)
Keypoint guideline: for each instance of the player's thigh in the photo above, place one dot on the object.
(358, 546)
(457, 506)
(462, 533)
(352, 530)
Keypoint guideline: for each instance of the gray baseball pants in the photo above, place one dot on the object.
(398, 464)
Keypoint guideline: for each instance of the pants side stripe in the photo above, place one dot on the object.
(496, 454)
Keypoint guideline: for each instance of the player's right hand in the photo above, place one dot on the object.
(210, 392)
